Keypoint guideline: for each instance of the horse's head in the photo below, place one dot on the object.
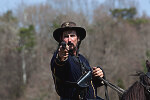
(148, 68)
(148, 65)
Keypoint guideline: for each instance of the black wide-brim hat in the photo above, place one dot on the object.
(69, 26)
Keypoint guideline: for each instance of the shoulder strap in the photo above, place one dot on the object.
(83, 66)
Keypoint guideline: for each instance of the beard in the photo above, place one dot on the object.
(72, 47)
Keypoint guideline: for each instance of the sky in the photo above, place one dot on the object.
(5, 5)
(144, 6)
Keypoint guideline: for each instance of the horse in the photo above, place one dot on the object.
(140, 90)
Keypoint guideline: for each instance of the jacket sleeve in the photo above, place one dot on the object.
(58, 67)
(97, 81)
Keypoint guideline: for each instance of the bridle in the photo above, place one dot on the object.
(146, 87)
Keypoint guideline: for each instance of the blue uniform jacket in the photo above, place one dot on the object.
(70, 70)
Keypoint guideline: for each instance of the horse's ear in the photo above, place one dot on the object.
(148, 65)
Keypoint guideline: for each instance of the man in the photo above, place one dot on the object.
(71, 71)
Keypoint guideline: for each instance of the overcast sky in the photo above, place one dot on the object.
(144, 5)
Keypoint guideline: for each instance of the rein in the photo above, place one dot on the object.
(119, 90)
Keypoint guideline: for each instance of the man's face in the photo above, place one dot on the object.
(70, 36)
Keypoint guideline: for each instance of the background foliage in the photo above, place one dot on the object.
(117, 39)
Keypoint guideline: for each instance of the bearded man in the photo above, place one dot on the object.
(74, 79)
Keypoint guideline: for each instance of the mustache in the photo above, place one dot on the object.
(70, 44)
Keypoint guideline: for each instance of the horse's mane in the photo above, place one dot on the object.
(138, 91)
(135, 92)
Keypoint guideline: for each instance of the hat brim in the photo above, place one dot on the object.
(79, 30)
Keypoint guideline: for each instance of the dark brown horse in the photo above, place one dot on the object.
(140, 90)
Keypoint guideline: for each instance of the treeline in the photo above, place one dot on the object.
(117, 40)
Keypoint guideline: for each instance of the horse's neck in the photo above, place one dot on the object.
(135, 92)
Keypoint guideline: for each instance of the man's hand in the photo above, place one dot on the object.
(97, 72)
(63, 53)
